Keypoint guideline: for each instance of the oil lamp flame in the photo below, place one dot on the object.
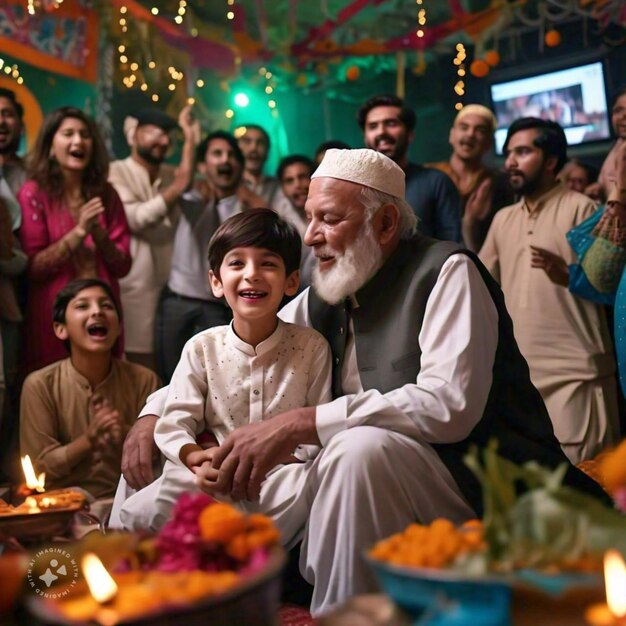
(32, 480)
(615, 581)
(101, 585)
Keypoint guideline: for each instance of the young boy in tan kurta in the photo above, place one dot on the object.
(75, 413)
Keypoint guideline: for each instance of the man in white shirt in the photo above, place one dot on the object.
(424, 365)
(150, 192)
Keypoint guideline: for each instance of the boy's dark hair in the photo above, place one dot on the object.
(72, 289)
(550, 138)
(406, 116)
(203, 146)
(10, 95)
(331, 143)
(292, 159)
(261, 130)
(256, 228)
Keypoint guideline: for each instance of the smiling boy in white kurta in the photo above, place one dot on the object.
(249, 371)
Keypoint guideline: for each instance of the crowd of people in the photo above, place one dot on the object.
(431, 307)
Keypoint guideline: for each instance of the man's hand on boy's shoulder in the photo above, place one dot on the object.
(139, 452)
(250, 452)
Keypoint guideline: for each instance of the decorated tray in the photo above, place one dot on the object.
(41, 515)
(254, 600)
(210, 564)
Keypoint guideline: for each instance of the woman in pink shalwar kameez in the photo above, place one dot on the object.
(73, 225)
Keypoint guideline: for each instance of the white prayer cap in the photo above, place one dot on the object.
(481, 111)
(364, 167)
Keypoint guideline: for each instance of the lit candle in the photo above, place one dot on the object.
(97, 603)
(613, 613)
(32, 480)
(101, 585)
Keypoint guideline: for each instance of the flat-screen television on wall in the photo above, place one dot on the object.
(574, 97)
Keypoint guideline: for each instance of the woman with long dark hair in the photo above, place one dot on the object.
(73, 224)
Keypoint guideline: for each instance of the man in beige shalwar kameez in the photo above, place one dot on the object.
(564, 339)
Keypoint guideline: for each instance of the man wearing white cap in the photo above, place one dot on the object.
(150, 192)
(412, 323)
(482, 190)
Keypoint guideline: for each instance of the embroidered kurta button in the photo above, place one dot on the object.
(341, 331)
(256, 392)
(337, 360)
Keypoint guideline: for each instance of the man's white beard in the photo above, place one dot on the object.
(351, 270)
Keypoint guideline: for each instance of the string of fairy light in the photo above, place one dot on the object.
(137, 72)
(143, 73)
(33, 5)
(11, 70)
(241, 99)
(459, 85)
(421, 18)
(182, 8)
(269, 88)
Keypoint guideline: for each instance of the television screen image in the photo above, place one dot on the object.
(574, 97)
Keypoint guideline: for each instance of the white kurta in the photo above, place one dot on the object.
(152, 226)
(222, 383)
(564, 338)
(377, 472)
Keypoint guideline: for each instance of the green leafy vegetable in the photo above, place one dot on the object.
(532, 520)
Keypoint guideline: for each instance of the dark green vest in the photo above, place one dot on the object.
(387, 325)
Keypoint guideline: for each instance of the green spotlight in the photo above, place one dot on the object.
(241, 100)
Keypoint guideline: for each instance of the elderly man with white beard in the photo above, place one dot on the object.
(424, 365)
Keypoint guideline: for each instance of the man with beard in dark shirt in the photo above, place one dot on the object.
(388, 126)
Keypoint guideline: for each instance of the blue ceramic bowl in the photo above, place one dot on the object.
(444, 598)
